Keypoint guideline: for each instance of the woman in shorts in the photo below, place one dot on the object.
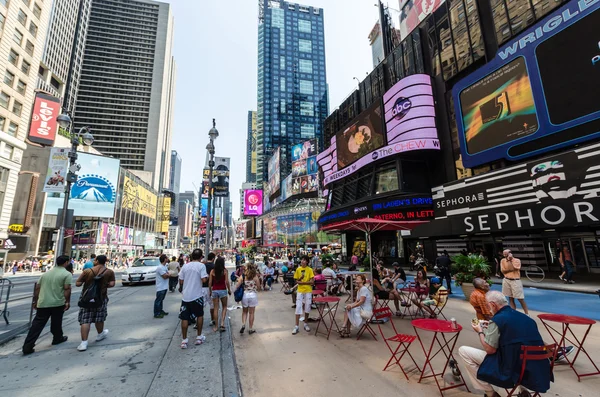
(250, 299)
(218, 285)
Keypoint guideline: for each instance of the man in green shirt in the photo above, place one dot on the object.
(51, 298)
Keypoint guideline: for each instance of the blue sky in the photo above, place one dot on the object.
(216, 53)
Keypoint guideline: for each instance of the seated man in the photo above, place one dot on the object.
(499, 363)
(269, 272)
(382, 293)
(436, 299)
(478, 301)
(399, 278)
(331, 277)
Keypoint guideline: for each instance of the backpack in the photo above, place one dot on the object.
(239, 293)
(91, 297)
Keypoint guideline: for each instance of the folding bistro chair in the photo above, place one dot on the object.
(438, 310)
(533, 353)
(367, 325)
(403, 341)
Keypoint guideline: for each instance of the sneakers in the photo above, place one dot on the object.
(159, 316)
(562, 353)
(302, 318)
(296, 330)
(211, 324)
(561, 278)
(184, 343)
(306, 328)
(82, 346)
(200, 340)
(102, 335)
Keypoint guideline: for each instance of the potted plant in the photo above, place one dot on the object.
(465, 268)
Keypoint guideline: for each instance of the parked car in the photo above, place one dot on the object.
(143, 270)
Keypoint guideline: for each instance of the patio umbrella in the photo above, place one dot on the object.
(369, 226)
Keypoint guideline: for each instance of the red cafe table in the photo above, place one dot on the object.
(327, 307)
(445, 337)
(566, 321)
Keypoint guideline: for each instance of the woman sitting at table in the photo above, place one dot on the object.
(335, 268)
(353, 310)
(421, 283)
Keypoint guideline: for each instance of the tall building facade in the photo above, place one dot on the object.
(127, 85)
(62, 59)
(292, 87)
(251, 148)
(175, 175)
(24, 25)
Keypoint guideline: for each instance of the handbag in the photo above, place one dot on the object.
(239, 292)
(365, 315)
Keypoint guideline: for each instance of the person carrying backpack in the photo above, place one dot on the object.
(94, 299)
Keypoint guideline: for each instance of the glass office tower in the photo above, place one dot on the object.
(292, 87)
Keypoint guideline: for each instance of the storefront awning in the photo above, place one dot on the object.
(371, 225)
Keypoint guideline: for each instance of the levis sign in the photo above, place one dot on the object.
(43, 125)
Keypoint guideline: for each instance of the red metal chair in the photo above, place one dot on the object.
(367, 325)
(533, 353)
(402, 340)
(438, 310)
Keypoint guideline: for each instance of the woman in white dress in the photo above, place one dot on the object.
(363, 302)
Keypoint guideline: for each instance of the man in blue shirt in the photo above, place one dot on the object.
(90, 263)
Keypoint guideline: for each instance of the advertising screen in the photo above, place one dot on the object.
(253, 200)
(43, 125)
(304, 150)
(273, 171)
(203, 207)
(361, 138)
(413, 12)
(539, 92)
(221, 177)
(139, 199)
(94, 193)
(58, 166)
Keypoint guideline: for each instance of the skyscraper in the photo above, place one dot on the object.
(127, 85)
(175, 175)
(251, 148)
(292, 87)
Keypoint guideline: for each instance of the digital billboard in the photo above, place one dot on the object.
(304, 150)
(43, 125)
(362, 137)
(413, 12)
(221, 177)
(537, 94)
(138, 198)
(58, 166)
(274, 173)
(253, 202)
(94, 193)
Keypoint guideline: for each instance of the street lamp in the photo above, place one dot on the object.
(64, 120)
(213, 134)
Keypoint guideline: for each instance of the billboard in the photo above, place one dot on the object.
(205, 184)
(410, 112)
(94, 193)
(304, 150)
(221, 177)
(537, 94)
(362, 137)
(43, 125)
(218, 213)
(253, 202)
(204, 207)
(58, 166)
(164, 209)
(413, 12)
(274, 173)
(138, 199)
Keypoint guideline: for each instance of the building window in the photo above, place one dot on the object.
(414, 177)
(7, 152)
(3, 2)
(18, 37)
(282, 106)
(282, 62)
(2, 19)
(282, 84)
(305, 45)
(22, 17)
(4, 172)
(37, 10)
(2, 122)
(4, 99)
(306, 87)
(33, 29)
(307, 109)
(304, 26)
(13, 129)
(17, 108)
(29, 47)
(25, 66)
(9, 78)
(307, 130)
(386, 180)
(13, 57)
(306, 66)
(21, 87)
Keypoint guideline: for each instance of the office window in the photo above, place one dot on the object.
(7, 152)
(459, 32)
(386, 180)
(304, 26)
(4, 98)
(9, 78)
(282, 84)
(543, 7)
(17, 108)
(282, 106)
(13, 129)
(520, 14)
(475, 30)
(2, 122)
(305, 45)
(21, 87)
(282, 62)
(37, 10)
(283, 128)
(3, 2)
(18, 37)
(306, 66)
(25, 66)
(33, 29)
(4, 172)
(306, 87)
(22, 17)
(2, 19)
(307, 109)
(29, 47)
(307, 130)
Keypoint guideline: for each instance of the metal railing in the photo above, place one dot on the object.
(5, 287)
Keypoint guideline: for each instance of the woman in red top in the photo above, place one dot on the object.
(219, 288)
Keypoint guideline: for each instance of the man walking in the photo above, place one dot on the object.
(208, 302)
(304, 277)
(511, 284)
(51, 298)
(162, 285)
(173, 274)
(90, 263)
(96, 315)
(191, 278)
(444, 265)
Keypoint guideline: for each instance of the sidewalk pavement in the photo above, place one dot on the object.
(140, 357)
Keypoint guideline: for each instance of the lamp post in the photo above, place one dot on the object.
(64, 120)
(213, 134)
